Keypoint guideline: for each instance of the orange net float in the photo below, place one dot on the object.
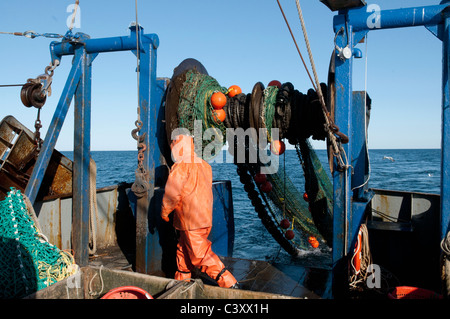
(218, 100)
(219, 115)
(277, 147)
(234, 90)
(260, 178)
(275, 83)
(285, 224)
(289, 234)
(313, 241)
(266, 187)
(305, 197)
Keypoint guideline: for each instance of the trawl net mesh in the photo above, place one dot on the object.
(28, 262)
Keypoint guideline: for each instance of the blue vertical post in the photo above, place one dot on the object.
(53, 131)
(341, 179)
(147, 250)
(445, 149)
(81, 159)
(343, 116)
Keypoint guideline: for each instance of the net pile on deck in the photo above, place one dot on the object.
(28, 262)
(298, 117)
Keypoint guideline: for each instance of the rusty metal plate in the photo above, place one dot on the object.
(335, 5)
(18, 156)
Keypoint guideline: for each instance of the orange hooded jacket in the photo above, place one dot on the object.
(188, 190)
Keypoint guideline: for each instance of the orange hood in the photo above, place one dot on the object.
(183, 149)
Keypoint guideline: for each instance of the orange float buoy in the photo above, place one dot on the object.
(260, 178)
(289, 234)
(313, 241)
(277, 147)
(275, 83)
(219, 115)
(305, 197)
(218, 100)
(266, 187)
(285, 224)
(234, 90)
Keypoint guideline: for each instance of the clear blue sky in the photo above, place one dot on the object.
(239, 42)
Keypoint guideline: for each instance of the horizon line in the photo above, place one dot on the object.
(287, 149)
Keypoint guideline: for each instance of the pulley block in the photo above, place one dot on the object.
(33, 95)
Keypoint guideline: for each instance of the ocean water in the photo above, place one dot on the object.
(415, 170)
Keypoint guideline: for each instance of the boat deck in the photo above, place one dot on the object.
(253, 275)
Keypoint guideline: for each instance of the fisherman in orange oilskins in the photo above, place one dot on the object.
(188, 193)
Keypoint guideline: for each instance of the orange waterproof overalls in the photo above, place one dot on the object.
(188, 193)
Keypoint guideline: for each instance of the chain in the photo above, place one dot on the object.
(37, 133)
(48, 77)
(31, 34)
(141, 184)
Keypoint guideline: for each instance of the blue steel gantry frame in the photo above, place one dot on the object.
(350, 27)
(78, 85)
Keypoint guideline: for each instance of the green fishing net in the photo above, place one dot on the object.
(28, 262)
(196, 114)
(285, 201)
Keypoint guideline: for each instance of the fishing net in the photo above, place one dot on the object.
(196, 113)
(28, 262)
(306, 207)
(285, 201)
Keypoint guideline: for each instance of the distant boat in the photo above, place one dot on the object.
(389, 158)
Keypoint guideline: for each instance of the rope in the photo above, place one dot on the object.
(295, 42)
(91, 292)
(77, 2)
(365, 121)
(366, 260)
(93, 209)
(138, 60)
(10, 85)
(445, 264)
(329, 124)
